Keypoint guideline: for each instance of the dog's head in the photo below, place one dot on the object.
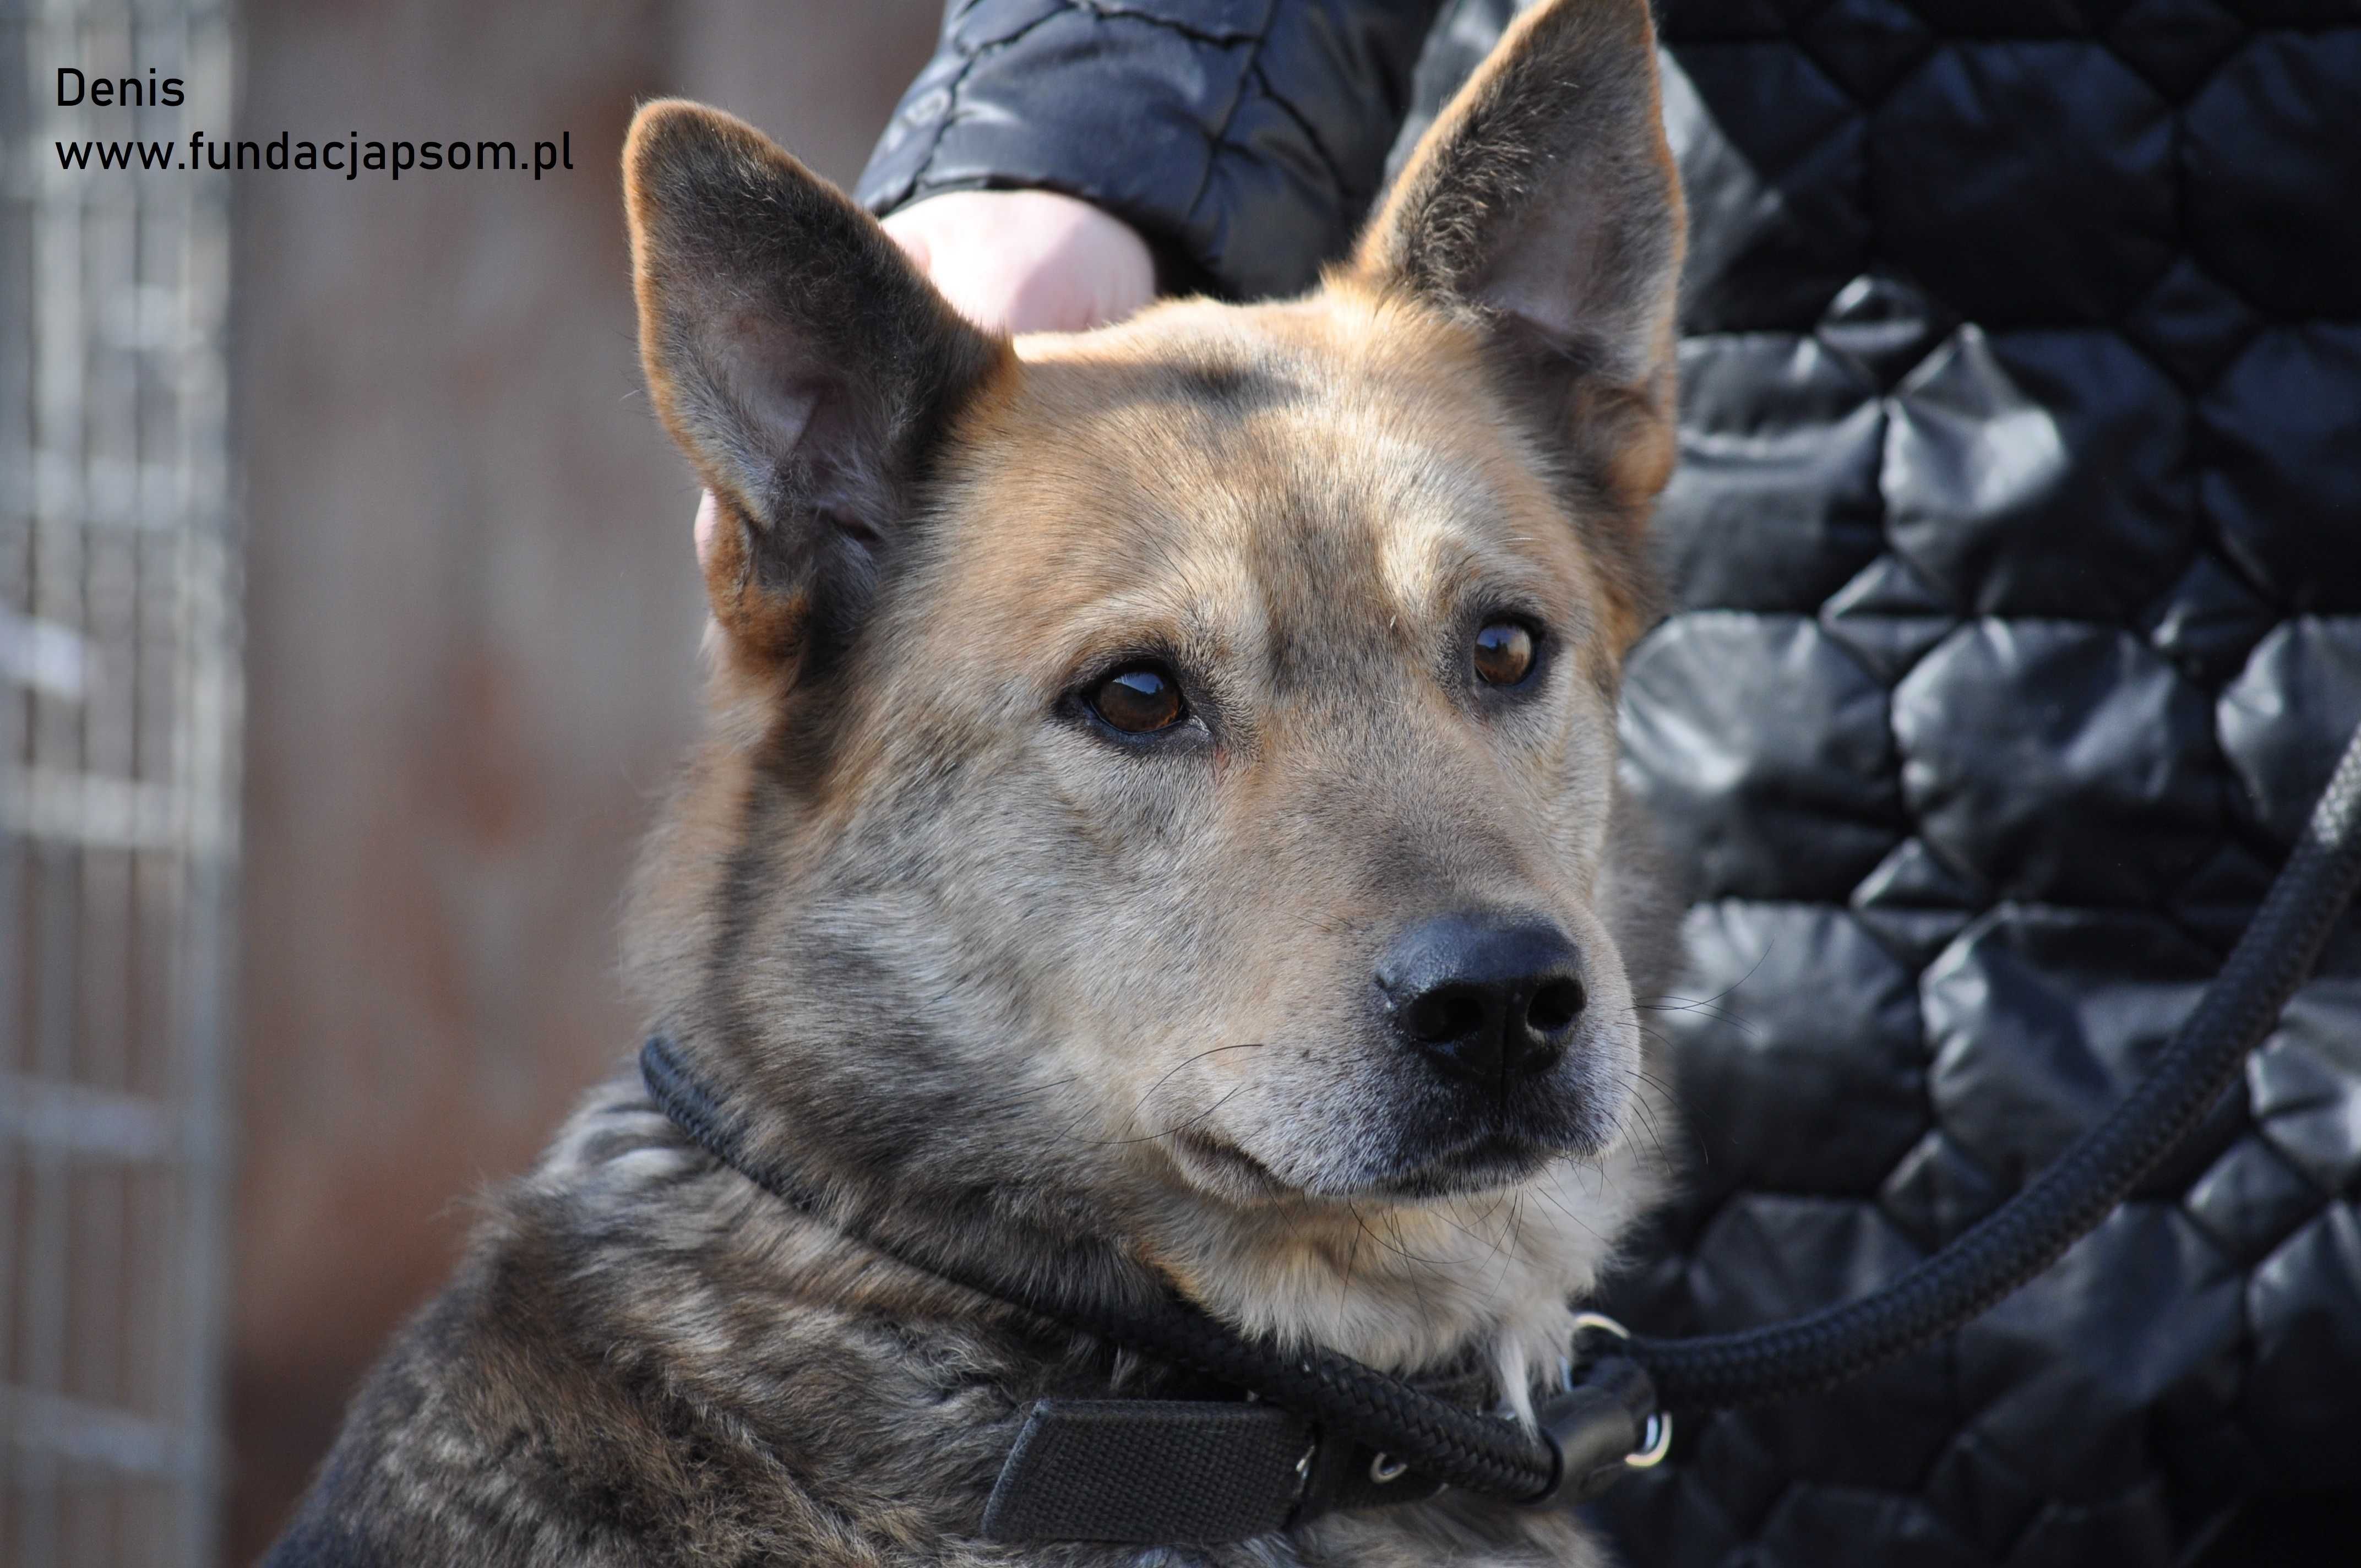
(1172, 765)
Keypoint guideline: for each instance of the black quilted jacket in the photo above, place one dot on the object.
(2016, 558)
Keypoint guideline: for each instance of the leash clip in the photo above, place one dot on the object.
(1604, 1423)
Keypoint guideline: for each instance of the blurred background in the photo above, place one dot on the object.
(347, 631)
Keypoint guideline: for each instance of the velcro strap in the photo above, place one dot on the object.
(1169, 1472)
(1181, 1472)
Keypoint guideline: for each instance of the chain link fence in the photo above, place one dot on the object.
(119, 706)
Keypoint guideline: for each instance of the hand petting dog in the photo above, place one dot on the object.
(1015, 261)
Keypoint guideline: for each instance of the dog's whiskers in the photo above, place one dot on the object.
(1167, 1132)
(1557, 1203)
(1133, 1115)
(1692, 1005)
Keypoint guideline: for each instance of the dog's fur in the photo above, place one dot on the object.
(1013, 987)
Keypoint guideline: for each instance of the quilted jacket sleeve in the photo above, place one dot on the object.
(1245, 138)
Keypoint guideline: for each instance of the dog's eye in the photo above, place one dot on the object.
(1138, 699)
(1504, 653)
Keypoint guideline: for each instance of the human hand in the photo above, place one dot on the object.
(1026, 260)
(1015, 261)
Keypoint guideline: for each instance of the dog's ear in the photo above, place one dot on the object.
(799, 360)
(1545, 204)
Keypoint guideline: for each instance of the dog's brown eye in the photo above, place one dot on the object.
(1138, 700)
(1504, 653)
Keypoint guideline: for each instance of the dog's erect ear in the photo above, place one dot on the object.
(797, 357)
(1544, 201)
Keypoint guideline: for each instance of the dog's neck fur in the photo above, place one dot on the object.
(757, 1295)
(1407, 1285)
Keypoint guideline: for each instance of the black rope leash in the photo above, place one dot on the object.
(2029, 1233)
(1501, 1459)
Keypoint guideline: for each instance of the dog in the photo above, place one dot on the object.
(1158, 832)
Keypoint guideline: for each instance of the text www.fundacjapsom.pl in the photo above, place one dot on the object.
(350, 156)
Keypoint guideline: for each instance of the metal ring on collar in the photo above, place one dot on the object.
(1656, 1438)
(1654, 1442)
(1602, 1323)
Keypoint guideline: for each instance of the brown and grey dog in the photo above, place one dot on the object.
(1159, 831)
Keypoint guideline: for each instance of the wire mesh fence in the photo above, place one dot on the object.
(118, 721)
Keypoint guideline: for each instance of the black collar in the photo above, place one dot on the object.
(1315, 1432)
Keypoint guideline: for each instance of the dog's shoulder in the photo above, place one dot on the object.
(520, 1418)
(647, 1359)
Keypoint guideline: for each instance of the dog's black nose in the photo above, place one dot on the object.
(1487, 997)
